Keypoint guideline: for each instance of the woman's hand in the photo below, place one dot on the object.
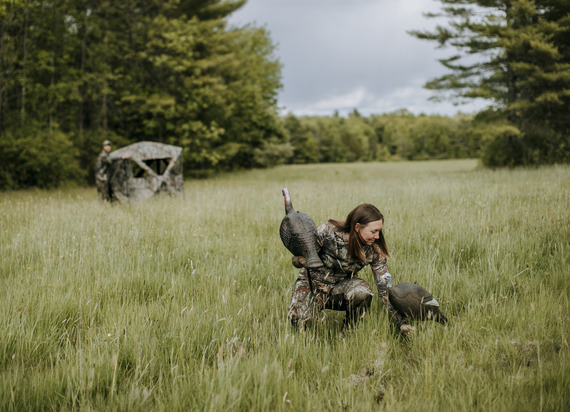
(299, 261)
(407, 330)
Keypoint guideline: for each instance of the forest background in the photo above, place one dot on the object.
(73, 73)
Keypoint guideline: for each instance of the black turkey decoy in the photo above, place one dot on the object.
(299, 234)
(413, 301)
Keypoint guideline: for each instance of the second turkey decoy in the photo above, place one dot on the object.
(299, 234)
(413, 301)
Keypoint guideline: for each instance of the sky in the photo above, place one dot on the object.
(341, 55)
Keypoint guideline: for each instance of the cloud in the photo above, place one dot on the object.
(413, 99)
(347, 101)
(340, 56)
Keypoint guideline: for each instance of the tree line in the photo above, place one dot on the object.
(76, 72)
(394, 136)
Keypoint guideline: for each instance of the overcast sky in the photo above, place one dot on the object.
(347, 54)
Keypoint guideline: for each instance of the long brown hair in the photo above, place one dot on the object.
(363, 214)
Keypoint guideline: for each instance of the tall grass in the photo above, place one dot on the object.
(180, 303)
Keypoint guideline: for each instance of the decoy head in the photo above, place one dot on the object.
(285, 192)
(288, 205)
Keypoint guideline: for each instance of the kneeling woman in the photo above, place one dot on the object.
(345, 248)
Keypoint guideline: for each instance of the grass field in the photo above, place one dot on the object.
(179, 304)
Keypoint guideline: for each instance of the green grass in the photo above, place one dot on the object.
(180, 304)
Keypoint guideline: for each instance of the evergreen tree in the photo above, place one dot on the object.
(516, 54)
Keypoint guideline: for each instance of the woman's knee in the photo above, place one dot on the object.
(359, 293)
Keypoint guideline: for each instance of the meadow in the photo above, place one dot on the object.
(179, 304)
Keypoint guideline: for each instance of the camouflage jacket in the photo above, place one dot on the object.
(102, 166)
(333, 246)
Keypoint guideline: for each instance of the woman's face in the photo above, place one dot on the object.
(370, 232)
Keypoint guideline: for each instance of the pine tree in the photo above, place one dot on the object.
(516, 54)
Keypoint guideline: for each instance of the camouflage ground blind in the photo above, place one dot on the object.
(144, 169)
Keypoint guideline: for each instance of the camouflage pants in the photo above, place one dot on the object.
(103, 190)
(352, 295)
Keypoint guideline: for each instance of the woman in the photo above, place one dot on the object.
(345, 248)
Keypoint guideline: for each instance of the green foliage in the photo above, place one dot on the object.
(272, 153)
(514, 54)
(180, 303)
(399, 135)
(170, 71)
(502, 146)
(35, 157)
(303, 141)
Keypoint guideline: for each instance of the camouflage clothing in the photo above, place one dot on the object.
(336, 285)
(102, 168)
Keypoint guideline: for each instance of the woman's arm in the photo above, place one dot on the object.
(328, 246)
(382, 286)
(380, 270)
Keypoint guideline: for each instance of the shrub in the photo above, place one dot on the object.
(36, 157)
(502, 146)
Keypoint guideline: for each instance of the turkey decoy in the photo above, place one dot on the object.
(413, 301)
(299, 234)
